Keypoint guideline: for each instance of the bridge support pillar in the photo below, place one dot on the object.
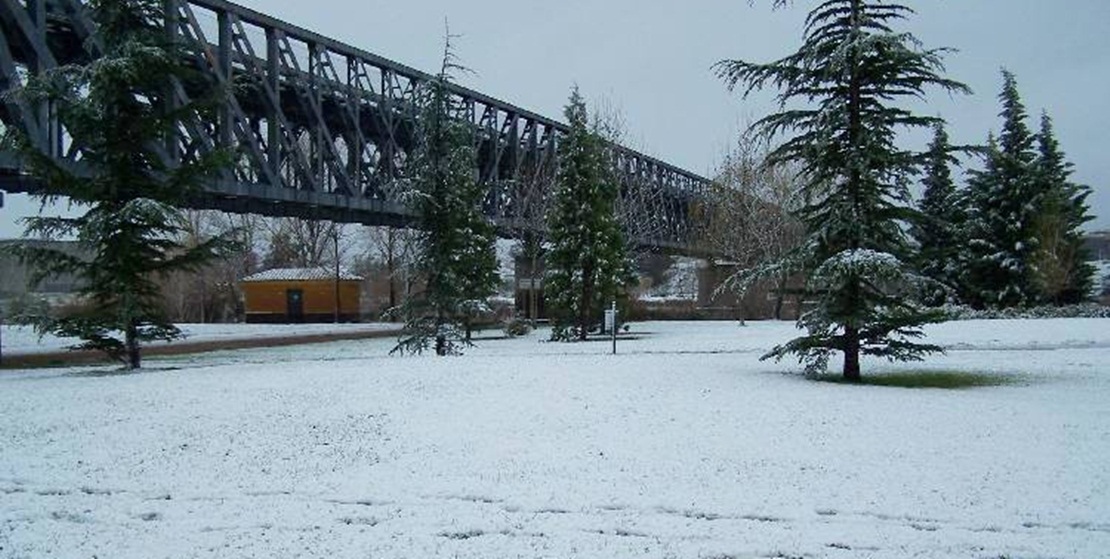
(762, 300)
(528, 288)
(712, 301)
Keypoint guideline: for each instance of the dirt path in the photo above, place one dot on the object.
(67, 358)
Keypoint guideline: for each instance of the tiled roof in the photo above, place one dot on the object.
(301, 274)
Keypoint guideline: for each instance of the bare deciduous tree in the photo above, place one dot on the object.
(211, 293)
(393, 251)
(525, 215)
(750, 219)
(300, 243)
(641, 207)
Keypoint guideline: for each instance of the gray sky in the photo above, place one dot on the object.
(651, 60)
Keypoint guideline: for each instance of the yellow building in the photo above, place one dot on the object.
(296, 295)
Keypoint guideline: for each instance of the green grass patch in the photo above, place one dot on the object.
(945, 380)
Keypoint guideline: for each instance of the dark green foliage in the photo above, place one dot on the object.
(1082, 310)
(25, 309)
(853, 71)
(457, 256)
(1025, 219)
(1004, 201)
(117, 111)
(587, 267)
(938, 233)
(1063, 275)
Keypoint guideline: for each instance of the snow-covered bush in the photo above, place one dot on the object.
(1086, 310)
(517, 326)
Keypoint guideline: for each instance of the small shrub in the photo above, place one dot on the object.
(1086, 310)
(516, 326)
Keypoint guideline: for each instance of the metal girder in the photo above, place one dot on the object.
(322, 129)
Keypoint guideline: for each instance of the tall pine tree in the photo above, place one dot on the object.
(1062, 272)
(456, 253)
(1004, 201)
(586, 266)
(117, 113)
(853, 70)
(938, 231)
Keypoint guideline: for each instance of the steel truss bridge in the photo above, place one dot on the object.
(322, 129)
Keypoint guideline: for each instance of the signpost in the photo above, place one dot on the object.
(611, 324)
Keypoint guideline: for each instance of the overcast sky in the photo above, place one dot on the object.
(651, 59)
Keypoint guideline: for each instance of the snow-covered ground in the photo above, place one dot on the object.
(23, 339)
(684, 445)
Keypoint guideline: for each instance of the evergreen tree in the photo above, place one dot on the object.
(118, 114)
(1062, 272)
(1004, 202)
(853, 69)
(456, 253)
(587, 267)
(478, 270)
(938, 231)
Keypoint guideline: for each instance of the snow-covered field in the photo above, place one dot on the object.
(23, 339)
(684, 445)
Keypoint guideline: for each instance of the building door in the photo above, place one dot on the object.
(294, 305)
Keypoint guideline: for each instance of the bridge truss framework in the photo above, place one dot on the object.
(322, 129)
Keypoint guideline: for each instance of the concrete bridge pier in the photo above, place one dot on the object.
(528, 288)
(763, 301)
(713, 302)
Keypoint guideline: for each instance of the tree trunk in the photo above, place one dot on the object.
(780, 298)
(391, 269)
(203, 299)
(584, 304)
(131, 339)
(855, 133)
(441, 340)
(392, 295)
(851, 354)
(391, 275)
(337, 273)
(337, 302)
(533, 303)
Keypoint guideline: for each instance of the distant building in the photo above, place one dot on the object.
(298, 295)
